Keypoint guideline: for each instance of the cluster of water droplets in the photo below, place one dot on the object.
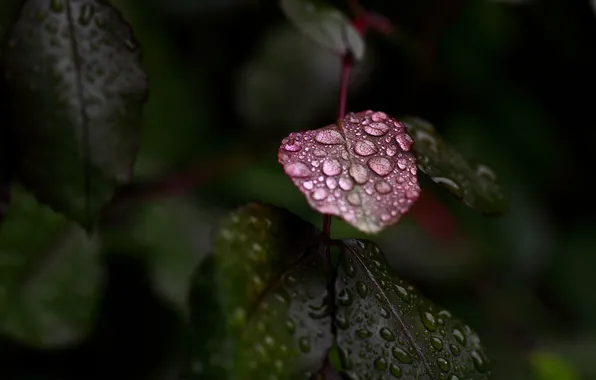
(476, 184)
(362, 171)
(387, 330)
(282, 315)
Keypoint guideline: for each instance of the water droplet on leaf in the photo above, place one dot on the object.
(329, 137)
(331, 167)
(365, 148)
(380, 165)
(297, 170)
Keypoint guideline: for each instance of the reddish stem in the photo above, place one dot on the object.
(344, 81)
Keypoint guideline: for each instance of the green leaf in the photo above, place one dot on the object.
(77, 90)
(49, 275)
(326, 25)
(475, 184)
(385, 328)
(260, 304)
(550, 366)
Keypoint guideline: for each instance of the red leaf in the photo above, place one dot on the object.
(361, 169)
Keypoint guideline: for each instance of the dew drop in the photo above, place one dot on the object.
(379, 116)
(380, 165)
(437, 343)
(381, 363)
(405, 141)
(331, 183)
(383, 187)
(329, 137)
(364, 333)
(454, 349)
(362, 289)
(401, 355)
(345, 183)
(450, 185)
(292, 147)
(297, 170)
(459, 336)
(319, 153)
(290, 326)
(345, 297)
(385, 217)
(308, 185)
(443, 364)
(86, 14)
(359, 173)
(384, 313)
(387, 334)
(403, 293)
(304, 345)
(485, 173)
(391, 150)
(319, 194)
(354, 199)
(376, 129)
(402, 163)
(479, 360)
(344, 358)
(331, 167)
(341, 321)
(395, 370)
(364, 148)
(428, 320)
(413, 170)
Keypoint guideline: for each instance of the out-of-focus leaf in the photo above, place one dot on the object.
(172, 234)
(549, 366)
(285, 59)
(475, 184)
(49, 275)
(326, 25)
(360, 169)
(76, 95)
(260, 304)
(385, 328)
(175, 114)
(8, 10)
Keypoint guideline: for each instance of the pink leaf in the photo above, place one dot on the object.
(361, 169)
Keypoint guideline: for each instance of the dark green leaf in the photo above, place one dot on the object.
(8, 10)
(326, 25)
(49, 275)
(260, 304)
(476, 185)
(76, 94)
(385, 328)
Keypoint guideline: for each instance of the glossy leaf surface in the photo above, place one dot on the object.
(361, 170)
(49, 275)
(76, 94)
(260, 305)
(385, 328)
(476, 185)
(326, 25)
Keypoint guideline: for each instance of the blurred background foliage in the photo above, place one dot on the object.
(506, 82)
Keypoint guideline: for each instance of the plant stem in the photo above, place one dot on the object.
(346, 67)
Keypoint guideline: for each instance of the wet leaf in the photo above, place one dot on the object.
(386, 328)
(49, 275)
(361, 170)
(475, 184)
(326, 25)
(260, 303)
(76, 96)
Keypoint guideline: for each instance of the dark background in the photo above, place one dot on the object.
(509, 83)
